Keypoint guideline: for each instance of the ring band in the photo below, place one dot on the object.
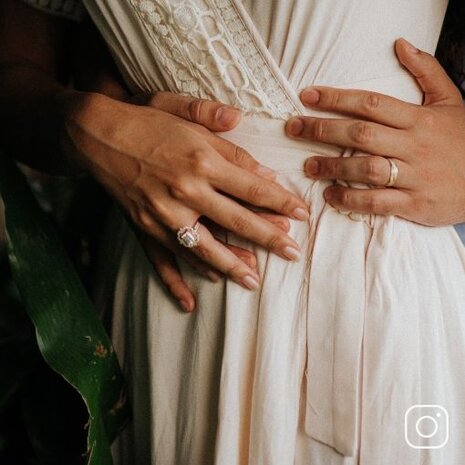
(189, 236)
(393, 173)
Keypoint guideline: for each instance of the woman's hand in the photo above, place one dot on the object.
(426, 142)
(167, 172)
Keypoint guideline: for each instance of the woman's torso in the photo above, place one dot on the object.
(327, 42)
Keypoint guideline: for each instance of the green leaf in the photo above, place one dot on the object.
(69, 333)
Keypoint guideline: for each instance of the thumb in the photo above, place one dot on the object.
(430, 75)
(215, 116)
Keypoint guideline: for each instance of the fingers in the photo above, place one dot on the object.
(209, 250)
(167, 269)
(245, 223)
(431, 76)
(368, 137)
(369, 201)
(373, 170)
(259, 192)
(224, 260)
(215, 116)
(367, 105)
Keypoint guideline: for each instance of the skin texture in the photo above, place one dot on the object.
(426, 142)
(153, 154)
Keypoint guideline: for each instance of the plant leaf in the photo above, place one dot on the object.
(69, 333)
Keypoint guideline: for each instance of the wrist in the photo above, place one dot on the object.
(80, 112)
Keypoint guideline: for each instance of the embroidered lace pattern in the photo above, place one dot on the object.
(72, 9)
(206, 51)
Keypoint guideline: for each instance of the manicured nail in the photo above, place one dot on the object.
(214, 276)
(188, 307)
(295, 127)
(292, 253)
(251, 283)
(227, 116)
(410, 48)
(301, 214)
(265, 171)
(310, 96)
(312, 167)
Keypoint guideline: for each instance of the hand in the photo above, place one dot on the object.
(426, 142)
(167, 172)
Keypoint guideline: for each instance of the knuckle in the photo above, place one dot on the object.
(256, 192)
(333, 98)
(361, 133)
(195, 110)
(156, 207)
(183, 191)
(200, 162)
(373, 204)
(370, 102)
(274, 241)
(240, 225)
(240, 156)
(319, 129)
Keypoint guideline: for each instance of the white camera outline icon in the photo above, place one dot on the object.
(439, 410)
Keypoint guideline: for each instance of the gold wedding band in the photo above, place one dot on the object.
(393, 173)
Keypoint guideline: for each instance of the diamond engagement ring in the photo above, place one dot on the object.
(189, 237)
(393, 174)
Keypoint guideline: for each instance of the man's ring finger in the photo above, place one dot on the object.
(393, 173)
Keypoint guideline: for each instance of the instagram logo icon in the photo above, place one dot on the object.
(427, 427)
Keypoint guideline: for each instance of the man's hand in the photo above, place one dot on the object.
(426, 142)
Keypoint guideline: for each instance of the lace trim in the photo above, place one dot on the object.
(208, 52)
(71, 9)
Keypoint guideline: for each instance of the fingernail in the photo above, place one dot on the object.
(292, 253)
(214, 276)
(265, 171)
(251, 283)
(295, 127)
(312, 167)
(310, 96)
(300, 214)
(410, 48)
(227, 116)
(188, 307)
